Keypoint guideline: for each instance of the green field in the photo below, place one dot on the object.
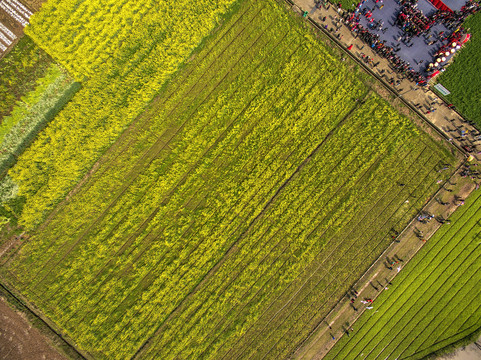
(19, 71)
(433, 302)
(123, 52)
(235, 212)
(463, 76)
(33, 89)
(346, 4)
(30, 114)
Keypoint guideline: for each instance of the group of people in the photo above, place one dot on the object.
(425, 217)
(453, 20)
(379, 46)
(412, 20)
(468, 171)
(413, 23)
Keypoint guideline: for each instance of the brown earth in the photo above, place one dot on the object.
(13, 25)
(33, 5)
(19, 340)
(469, 352)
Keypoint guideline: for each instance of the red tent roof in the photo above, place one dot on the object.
(440, 5)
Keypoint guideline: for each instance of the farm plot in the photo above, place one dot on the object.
(131, 49)
(19, 72)
(32, 113)
(433, 303)
(463, 76)
(34, 89)
(18, 13)
(88, 37)
(13, 18)
(235, 212)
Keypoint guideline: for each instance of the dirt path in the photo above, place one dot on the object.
(19, 340)
(383, 271)
(470, 352)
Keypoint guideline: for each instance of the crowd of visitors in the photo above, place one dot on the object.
(388, 52)
(412, 20)
(413, 23)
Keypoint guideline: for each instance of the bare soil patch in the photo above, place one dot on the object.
(10, 23)
(20, 340)
(33, 4)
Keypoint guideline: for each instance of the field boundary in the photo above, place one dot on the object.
(423, 284)
(44, 321)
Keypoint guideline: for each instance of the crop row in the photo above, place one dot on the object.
(30, 115)
(463, 75)
(245, 172)
(434, 301)
(20, 69)
(135, 145)
(185, 148)
(220, 280)
(118, 35)
(110, 101)
(241, 145)
(101, 192)
(298, 322)
(318, 274)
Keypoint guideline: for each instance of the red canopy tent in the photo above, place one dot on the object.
(433, 74)
(440, 5)
(466, 38)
